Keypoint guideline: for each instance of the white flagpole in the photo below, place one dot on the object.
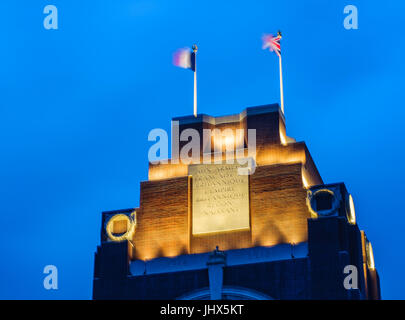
(281, 76)
(195, 48)
(281, 85)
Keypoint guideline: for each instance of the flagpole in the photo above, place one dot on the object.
(281, 85)
(195, 48)
(281, 76)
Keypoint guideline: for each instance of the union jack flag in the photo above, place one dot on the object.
(272, 42)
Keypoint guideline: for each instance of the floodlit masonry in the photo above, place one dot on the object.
(217, 144)
(203, 231)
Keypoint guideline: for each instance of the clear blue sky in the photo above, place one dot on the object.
(77, 104)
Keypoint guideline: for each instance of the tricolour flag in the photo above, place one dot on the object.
(184, 58)
(272, 42)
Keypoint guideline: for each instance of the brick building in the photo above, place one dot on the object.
(203, 232)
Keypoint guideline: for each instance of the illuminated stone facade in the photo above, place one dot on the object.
(293, 238)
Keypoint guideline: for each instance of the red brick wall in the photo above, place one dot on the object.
(278, 205)
(278, 212)
(277, 208)
(162, 221)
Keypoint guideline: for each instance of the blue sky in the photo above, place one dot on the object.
(77, 104)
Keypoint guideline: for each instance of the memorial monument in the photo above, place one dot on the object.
(206, 229)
